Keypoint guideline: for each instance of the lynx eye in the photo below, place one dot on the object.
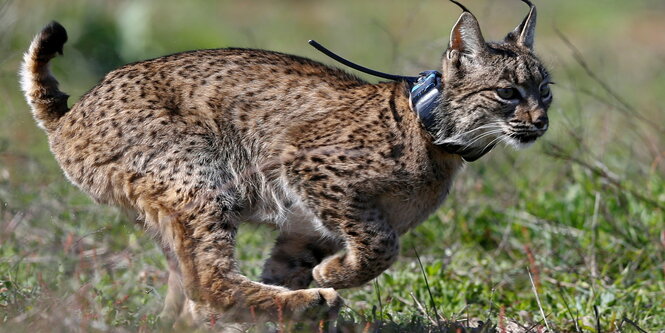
(545, 92)
(508, 93)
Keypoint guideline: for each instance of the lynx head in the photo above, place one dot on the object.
(492, 92)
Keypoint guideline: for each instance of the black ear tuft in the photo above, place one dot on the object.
(524, 34)
(51, 40)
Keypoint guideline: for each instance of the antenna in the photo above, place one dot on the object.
(410, 79)
(462, 6)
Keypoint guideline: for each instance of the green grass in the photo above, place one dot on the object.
(582, 210)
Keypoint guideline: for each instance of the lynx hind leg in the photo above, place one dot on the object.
(293, 257)
(175, 295)
(203, 242)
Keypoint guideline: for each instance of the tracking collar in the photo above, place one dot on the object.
(425, 95)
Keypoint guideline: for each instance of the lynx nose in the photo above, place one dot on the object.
(541, 122)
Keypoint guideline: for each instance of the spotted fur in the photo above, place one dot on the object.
(197, 142)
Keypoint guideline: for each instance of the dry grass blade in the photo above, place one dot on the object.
(423, 310)
(429, 291)
(540, 306)
(594, 237)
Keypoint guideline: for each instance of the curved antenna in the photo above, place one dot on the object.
(464, 8)
(361, 68)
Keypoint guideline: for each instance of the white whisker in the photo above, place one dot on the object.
(483, 135)
(496, 124)
(493, 141)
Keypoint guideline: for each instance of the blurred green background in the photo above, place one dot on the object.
(582, 209)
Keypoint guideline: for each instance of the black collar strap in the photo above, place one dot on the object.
(424, 93)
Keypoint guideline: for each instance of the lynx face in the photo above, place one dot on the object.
(493, 92)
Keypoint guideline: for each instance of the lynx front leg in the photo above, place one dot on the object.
(329, 187)
(204, 241)
(371, 247)
(293, 257)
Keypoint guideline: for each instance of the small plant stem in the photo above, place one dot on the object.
(429, 291)
(540, 306)
(594, 236)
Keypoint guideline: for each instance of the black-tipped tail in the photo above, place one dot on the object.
(48, 103)
(51, 40)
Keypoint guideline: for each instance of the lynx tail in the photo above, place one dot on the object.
(48, 103)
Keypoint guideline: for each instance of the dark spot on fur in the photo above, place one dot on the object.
(397, 151)
(318, 177)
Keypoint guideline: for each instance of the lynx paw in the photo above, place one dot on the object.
(307, 304)
(299, 305)
(323, 278)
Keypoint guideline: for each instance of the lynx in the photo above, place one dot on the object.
(197, 142)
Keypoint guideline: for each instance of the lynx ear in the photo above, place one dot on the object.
(466, 37)
(524, 34)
